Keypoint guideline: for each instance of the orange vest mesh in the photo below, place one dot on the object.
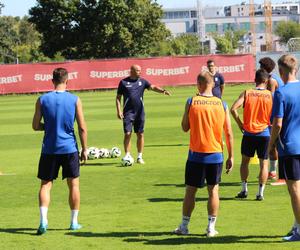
(257, 110)
(206, 118)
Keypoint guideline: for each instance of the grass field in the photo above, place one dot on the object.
(129, 208)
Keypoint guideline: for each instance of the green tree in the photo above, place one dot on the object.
(95, 29)
(1, 6)
(287, 30)
(224, 45)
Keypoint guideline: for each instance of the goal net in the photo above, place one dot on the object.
(293, 44)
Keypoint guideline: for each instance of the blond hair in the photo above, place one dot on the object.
(288, 63)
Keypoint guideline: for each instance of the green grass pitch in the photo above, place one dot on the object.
(135, 207)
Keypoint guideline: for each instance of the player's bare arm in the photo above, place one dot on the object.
(272, 85)
(82, 130)
(276, 128)
(159, 90)
(185, 124)
(37, 124)
(119, 109)
(234, 110)
(229, 141)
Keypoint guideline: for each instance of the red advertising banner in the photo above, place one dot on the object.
(99, 74)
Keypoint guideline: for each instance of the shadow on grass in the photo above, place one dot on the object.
(133, 237)
(228, 239)
(222, 184)
(28, 231)
(165, 145)
(102, 164)
(181, 199)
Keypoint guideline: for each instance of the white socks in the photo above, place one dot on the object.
(211, 223)
(140, 155)
(273, 166)
(185, 221)
(127, 154)
(244, 186)
(74, 216)
(43, 215)
(261, 189)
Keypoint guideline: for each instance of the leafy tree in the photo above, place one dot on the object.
(95, 29)
(224, 45)
(286, 30)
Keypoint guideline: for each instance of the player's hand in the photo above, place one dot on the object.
(84, 156)
(120, 115)
(229, 165)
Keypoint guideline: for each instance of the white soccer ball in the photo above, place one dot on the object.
(103, 153)
(115, 152)
(127, 161)
(93, 153)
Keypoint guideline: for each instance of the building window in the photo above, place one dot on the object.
(193, 14)
(228, 26)
(211, 27)
(245, 26)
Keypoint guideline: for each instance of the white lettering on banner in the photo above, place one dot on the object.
(11, 79)
(168, 72)
(229, 69)
(48, 77)
(109, 74)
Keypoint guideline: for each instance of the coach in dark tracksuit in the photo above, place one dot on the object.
(132, 89)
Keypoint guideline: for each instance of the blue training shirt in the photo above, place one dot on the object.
(59, 111)
(287, 106)
(133, 93)
(206, 158)
(219, 80)
(278, 79)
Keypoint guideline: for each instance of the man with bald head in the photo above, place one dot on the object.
(133, 115)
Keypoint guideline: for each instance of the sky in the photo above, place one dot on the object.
(21, 7)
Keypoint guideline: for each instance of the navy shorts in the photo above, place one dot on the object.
(197, 173)
(49, 166)
(291, 167)
(250, 144)
(280, 168)
(137, 123)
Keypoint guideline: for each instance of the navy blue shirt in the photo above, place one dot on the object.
(219, 80)
(133, 94)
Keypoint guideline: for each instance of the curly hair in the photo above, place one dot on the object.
(267, 64)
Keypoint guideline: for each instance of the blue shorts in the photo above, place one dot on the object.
(197, 173)
(49, 166)
(250, 144)
(137, 122)
(291, 167)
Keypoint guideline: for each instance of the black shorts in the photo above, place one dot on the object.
(197, 173)
(49, 166)
(250, 144)
(280, 168)
(291, 167)
(137, 123)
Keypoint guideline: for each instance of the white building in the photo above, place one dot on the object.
(184, 20)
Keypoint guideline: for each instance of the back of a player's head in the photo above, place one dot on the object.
(210, 61)
(267, 64)
(205, 78)
(60, 75)
(261, 76)
(288, 64)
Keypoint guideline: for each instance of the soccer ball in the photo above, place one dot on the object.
(127, 161)
(103, 153)
(93, 153)
(115, 152)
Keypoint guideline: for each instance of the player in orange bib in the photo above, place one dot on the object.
(257, 105)
(205, 116)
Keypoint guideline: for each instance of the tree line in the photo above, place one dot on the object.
(58, 30)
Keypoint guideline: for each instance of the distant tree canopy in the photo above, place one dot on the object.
(227, 43)
(287, 30)
(19, 41)
(80, 29)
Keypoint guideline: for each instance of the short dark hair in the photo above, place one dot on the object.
(261, 76)
(60, 75)
(210, 61)
(267, 64)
